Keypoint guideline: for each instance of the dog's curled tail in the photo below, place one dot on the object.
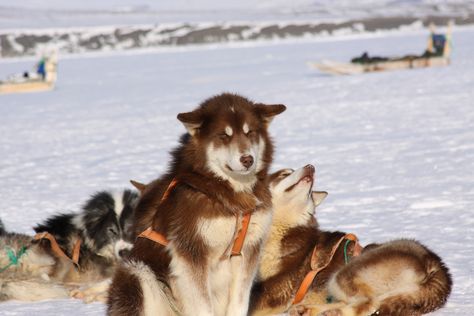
(436, 287)
(432, 294)
(135, 290)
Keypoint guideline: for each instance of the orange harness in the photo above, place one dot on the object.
(58, 251)
(317, 266)
(159, 238)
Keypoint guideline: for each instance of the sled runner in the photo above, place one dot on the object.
(42, 78)
(436, 54)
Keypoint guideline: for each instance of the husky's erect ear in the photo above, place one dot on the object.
(318, 197)
(140, 186)
(268, 111)
(191, 120)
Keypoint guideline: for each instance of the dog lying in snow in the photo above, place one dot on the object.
(70, 250)
(401, 277)
(397, 278)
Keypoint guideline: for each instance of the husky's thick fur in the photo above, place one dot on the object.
(397, 278)
(221, 172)
(23, 279)
(294, 234)
(400, 278)
(104, 226)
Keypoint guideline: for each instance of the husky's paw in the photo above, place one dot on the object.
(332, 312)
(300, 310)
(89, 296)
(94, 293)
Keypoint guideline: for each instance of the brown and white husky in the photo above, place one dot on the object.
(217, 176)
(293, 242)
(397, 278)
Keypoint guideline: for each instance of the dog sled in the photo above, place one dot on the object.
(437, 54)
(43, 78)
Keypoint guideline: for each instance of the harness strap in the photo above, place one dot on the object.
(159, 238)
(149, 233)
(318, 265)
(170, 187)
(57, 250)
(239, 240)
(13, 257)
(155, 236)
(76, 251)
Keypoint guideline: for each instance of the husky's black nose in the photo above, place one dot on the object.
(247, 161)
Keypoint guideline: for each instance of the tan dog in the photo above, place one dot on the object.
(295, 241)
(397, 278)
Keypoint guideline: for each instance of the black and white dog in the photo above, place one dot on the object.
(73, 249)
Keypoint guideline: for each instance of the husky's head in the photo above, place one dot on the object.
(230, 138)
(106, 222)
(294, 202)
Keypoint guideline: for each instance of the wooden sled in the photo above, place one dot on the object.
(412, 62)
(27, 86)
(32, 84)
(338, 68)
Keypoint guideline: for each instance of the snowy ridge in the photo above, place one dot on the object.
(16, 43)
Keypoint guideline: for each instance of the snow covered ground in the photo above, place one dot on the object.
(395, 150)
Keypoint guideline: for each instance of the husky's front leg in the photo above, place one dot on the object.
(243, 273)
(192, 287)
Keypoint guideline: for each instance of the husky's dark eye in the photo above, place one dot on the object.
(285, 173)
(223, 136)
(113, 231)
(250, 133)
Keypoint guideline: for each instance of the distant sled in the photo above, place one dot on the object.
(42, 79)
(339, 68)
(436, 55)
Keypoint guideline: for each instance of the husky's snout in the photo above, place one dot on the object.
(247, 161)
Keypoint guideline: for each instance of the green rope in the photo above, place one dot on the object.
(346, 256)
(14, 258)
(330, 299)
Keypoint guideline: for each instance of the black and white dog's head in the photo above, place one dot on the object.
(104, 224)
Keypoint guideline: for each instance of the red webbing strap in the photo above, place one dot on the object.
(316, 267)
(159, 238)
(57, 250)
(170, 187)
(149, 233)
(240, 239)
(76, 251)
(152, 235)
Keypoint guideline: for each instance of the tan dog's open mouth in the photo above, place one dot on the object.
(308, 177)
